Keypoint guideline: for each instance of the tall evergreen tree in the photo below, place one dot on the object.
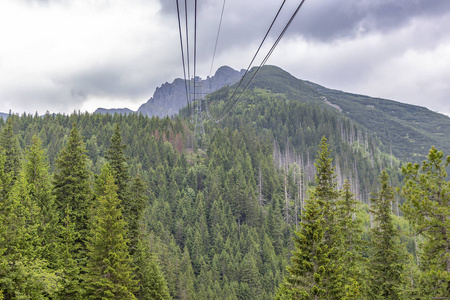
(187, 278)
(327, 198)
(26, 274)
(109, 271)
(116, 158)
(37, 175)
(427, 207)
(131, 194)
(139, 202)
(352, 244)
(387, 257)
(310, 260)
(72, 185)
(152, 284)
(71, 268)
(10, 148)
(5, 179)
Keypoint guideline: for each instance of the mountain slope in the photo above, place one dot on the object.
(410, 130)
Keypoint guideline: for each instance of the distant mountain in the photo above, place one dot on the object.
(4, 116)
(406, 130)
(111, 111)
(171, 97)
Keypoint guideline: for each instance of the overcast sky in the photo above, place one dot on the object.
(66, 55)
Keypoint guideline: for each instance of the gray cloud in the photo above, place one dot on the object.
(323, 21)
(328, 20)
(105, 52)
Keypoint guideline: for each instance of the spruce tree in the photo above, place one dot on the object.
(109, 272)
(131, 194)
(71, 268)
(72, 186)
(116, 158)
(137, 194)
(310, 260)
(186, 279)
(427, 207)
(352, 244)
(152, 284)
(5, 179)
(37, 175)
(10, 148)
(327, 198)
(24, 274)
(387, 257)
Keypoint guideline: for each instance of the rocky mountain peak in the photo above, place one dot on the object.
(169, 98)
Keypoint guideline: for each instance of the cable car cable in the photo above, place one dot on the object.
(182, 56)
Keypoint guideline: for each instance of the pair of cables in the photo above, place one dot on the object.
(186, 59)
(235, 97)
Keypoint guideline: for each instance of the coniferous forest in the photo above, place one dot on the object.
(282, 200)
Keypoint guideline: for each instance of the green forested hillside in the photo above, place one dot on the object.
(211, 218)
(406, 130)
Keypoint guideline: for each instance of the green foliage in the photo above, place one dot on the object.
(317, 262)
(352, 245)
(152, 284)
(387, 255)
(109, 271)
(10, 148)
(24, 273)
(427, 207)
(409, 130)
(38, 176)
(219, 221)
(138, 196)
(68, 248)
(310, 260)
(116, 159)
(327, 196)
(72, 185)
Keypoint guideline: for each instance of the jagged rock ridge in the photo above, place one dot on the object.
(171, 97)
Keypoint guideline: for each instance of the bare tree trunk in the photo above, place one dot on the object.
(296, 205)
(417, 249)
(390, 151)
(260, 186)
(286, 202)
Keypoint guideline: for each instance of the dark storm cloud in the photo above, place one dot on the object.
(325, 20)
(328, 20)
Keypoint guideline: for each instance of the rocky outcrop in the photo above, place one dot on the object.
(171, 97)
